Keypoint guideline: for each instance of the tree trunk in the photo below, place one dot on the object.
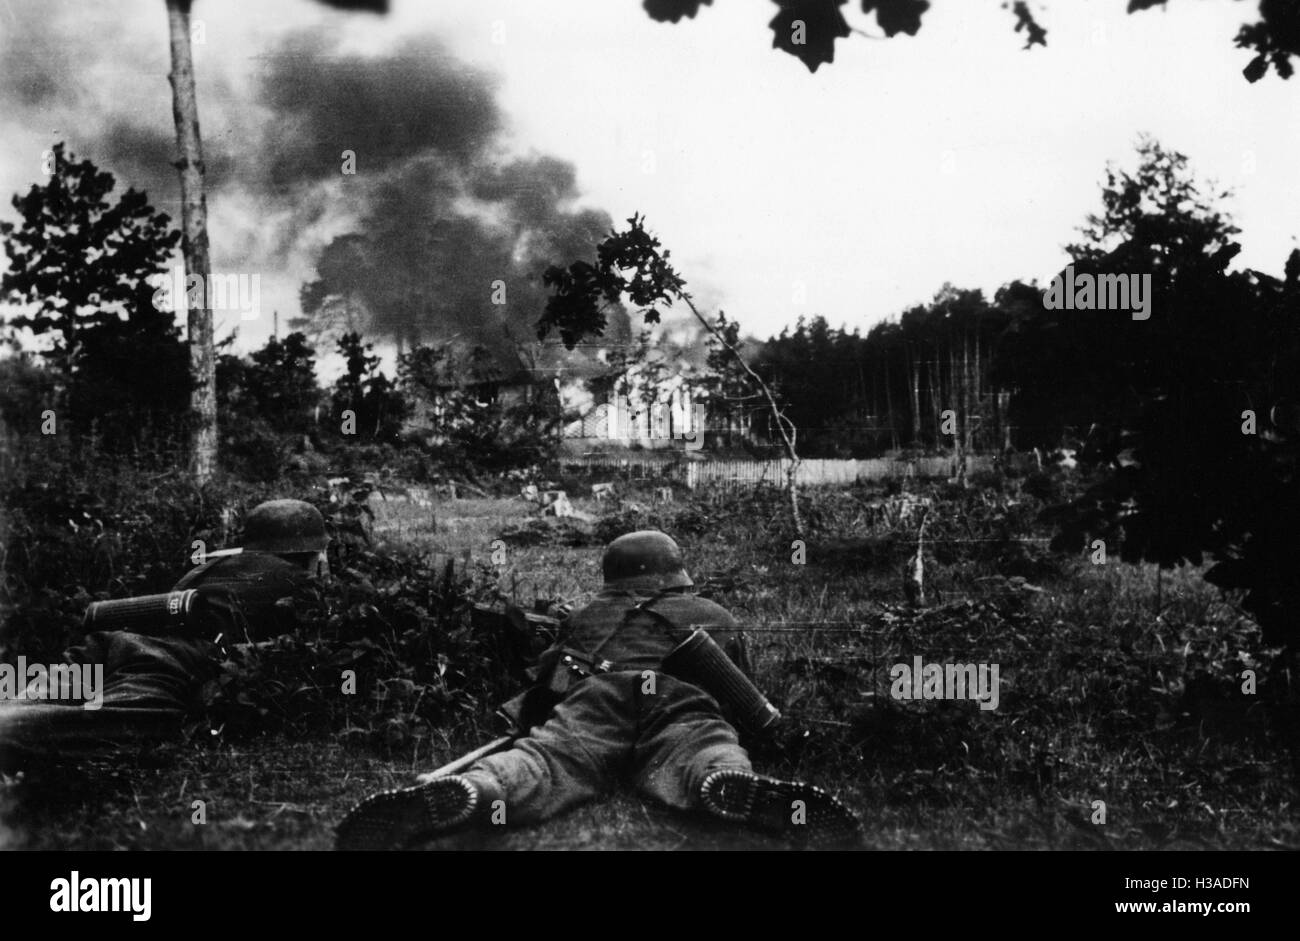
(862, 397)
(956, 403)
(889, 406)
(936, 391)
(970, 405)
(789, 433)
(194, 219)
(914, 372)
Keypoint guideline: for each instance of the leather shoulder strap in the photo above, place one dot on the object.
(198, 571)
(673, 628)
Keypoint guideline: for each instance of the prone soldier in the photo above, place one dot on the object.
(636, 685)
(152, 682)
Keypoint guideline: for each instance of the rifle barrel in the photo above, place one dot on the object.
(464, 761)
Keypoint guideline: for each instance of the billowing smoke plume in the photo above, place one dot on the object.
(441, 232)
(450, 238)
(95, 76)
(416, 101)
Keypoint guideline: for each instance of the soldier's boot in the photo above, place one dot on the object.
(800, 812)
(397, 819)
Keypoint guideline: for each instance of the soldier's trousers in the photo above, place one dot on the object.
(609, 727)
(150, 684)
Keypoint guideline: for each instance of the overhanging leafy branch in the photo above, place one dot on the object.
(631, 264)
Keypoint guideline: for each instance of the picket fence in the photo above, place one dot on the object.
(749, 473)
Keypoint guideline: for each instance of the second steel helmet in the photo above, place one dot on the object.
(644, 560)
(285, 526)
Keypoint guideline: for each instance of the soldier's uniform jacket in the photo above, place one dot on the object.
(636, 630)
(621, 630)
(152, 682)
(249, 594)
(248, 597)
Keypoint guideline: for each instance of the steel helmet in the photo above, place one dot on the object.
(285, 526)
(647, 559)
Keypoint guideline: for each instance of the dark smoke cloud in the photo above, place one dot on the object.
(81, 74)
(531, 188)
(447, 224)
(408, 249)
(417, 100)
(437, 249)
(36, 67)
(143, 156)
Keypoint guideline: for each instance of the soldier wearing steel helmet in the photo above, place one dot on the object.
(617, 711)
(152, 682)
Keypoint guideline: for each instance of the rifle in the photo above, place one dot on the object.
(464, 761)
(517, 635)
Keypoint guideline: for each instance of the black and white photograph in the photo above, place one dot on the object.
(719, 426)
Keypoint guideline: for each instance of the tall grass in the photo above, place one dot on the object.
(1117, 685)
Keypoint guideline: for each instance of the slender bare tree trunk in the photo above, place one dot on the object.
(194, 220)
(914, 373)
(935, 375)
(956, 401)
(889, 406)
(862, 392)
(786, 427)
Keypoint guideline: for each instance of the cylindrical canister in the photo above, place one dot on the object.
(700, 661)
(166, 613)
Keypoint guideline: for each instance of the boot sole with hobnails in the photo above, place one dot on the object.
(800, 812)
(396, 819)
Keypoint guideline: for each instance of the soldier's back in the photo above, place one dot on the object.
(245, 591)
(614, 628)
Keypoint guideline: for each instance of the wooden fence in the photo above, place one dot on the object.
(748, 473)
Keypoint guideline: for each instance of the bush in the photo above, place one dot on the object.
(401, 626)
(77, 529)
(26, 390)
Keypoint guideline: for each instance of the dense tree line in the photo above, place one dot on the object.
(1179, 378)
(856, 396)
(1017, 371)
(442, 410)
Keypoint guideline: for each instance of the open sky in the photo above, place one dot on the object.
(852, 193)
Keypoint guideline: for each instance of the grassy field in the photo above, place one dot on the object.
(1118, 685)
